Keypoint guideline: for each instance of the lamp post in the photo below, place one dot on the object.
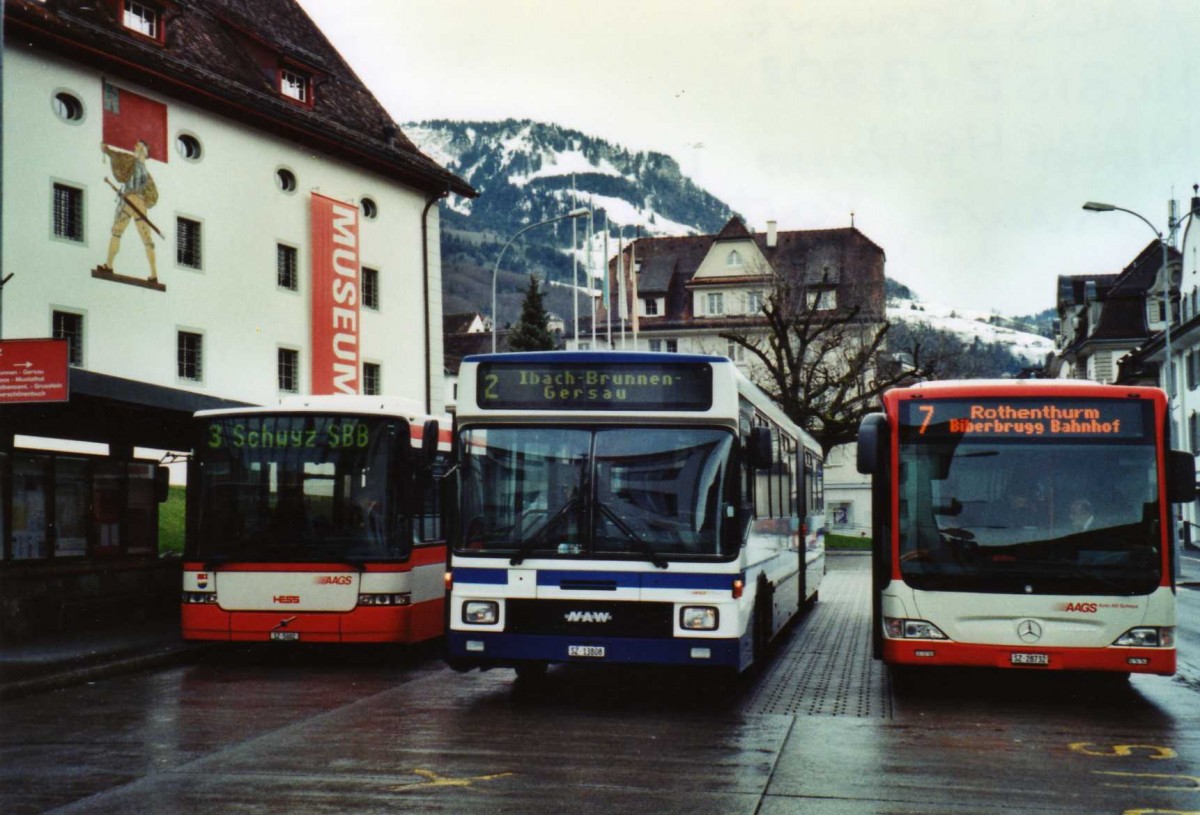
(575, 213)
(1164, 242)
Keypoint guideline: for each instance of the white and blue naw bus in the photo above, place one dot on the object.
(627, 508)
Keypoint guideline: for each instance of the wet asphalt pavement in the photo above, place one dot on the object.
(822, 729)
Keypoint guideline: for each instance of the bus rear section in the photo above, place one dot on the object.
(319, 521)
(1024, 525)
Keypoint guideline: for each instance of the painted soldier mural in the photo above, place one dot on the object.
(135, 196)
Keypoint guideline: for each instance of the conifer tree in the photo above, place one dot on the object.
(531, 332)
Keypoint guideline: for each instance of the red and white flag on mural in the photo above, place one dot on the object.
(335, 296)
(130, 118)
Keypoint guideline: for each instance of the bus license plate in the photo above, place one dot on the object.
(593, 651)
(285, 636)
(1030, 659)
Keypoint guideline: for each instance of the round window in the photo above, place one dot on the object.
(285, 179)
(68, 107)
(188, 147)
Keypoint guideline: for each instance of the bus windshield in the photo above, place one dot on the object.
(298, 487)
(1032, 517)
(652, 493)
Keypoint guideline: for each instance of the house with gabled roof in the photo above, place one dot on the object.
(682, 293)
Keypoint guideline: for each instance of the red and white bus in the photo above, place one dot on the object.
(1024, 524)
(316, 521)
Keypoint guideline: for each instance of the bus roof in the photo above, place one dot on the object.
(1025, 387)
(334, 403)
(567, 357)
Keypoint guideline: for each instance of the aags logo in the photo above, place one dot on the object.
(1083, 608)
(334, 580)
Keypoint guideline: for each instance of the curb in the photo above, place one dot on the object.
(87, 673)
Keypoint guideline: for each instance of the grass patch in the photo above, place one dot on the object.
(171, 522)
(847, 542)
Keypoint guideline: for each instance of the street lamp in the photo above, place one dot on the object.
(1093, 206)
(575, 213)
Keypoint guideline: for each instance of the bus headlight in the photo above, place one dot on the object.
(191, 598)
(481, 612)
(901, 629)
(1148, 637)
(699, 618)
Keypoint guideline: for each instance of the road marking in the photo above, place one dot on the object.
(432, 779)
(1122, 750)
(1160, 812)
(1190, 782)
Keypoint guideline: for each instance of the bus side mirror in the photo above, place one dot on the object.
(1181, 477)
(760, 448)
(872, 438)
(162, 484)
(429, 442)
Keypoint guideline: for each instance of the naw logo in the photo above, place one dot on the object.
(588, 617)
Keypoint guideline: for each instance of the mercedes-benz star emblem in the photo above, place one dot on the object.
(1029, 631)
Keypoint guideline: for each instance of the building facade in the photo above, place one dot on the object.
(206, 205)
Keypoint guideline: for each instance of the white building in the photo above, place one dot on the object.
(285, 242)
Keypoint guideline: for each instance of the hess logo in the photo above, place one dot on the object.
(1082, 608)
(333, 580)
(285, 599)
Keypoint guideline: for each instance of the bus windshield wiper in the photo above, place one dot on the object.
(641, 545)
(538, 537)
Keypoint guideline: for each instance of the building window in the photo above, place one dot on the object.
(285, 179)
(294, 85)
(716, 304)
(142, 18)
(651, 306)
(68, 107)
(187, 243)
(734, 258)
(369, 209)
(289, 370)
(754, 302)
(822, 300)
(286, 275)
(655, 345)
(736, 352)
(68, 213)
(69, 327)
(188, 146)
(672, 346)
(372, 379)
(189, 356)
(370, 288)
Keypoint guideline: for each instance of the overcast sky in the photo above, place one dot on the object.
(964, 136)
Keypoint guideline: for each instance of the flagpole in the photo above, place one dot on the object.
(591, 272)
(607, 302)
(575, 261)
(622, 304)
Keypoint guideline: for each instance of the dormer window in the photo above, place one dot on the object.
(295, 85)
(142, 18)
(734, 259)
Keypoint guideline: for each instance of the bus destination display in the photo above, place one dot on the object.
(1020, 418)
(594, 386)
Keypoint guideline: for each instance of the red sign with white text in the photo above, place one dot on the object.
(335, 296)
(33, 371)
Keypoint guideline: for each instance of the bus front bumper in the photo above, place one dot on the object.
(466, 650)
(1121, 660)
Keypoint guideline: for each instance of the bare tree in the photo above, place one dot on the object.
(820, 348)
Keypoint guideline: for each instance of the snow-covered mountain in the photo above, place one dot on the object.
(525, 171)
(968, 325)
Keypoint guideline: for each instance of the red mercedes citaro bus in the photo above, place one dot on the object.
(1024, 524)
(316, 521)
